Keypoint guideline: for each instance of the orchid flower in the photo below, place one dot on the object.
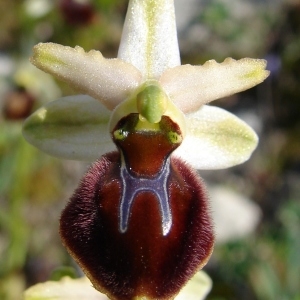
(139, 222)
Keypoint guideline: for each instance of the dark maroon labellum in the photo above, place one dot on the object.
(139, 222)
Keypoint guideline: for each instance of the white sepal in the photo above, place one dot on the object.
(149, 38)
(216, 139)
(74, 127)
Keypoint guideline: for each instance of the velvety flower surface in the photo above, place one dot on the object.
(139, 222)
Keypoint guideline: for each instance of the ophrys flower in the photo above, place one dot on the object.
(139, 222)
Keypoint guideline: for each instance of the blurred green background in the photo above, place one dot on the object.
(262, 264)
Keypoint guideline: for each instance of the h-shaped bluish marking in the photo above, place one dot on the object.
(133, 185)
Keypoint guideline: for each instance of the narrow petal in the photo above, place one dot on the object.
(192, 86)
(149, 39)
(216, 139)
(109, 80)
(74, 127)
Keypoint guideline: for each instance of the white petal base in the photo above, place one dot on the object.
(197, 288)
(65, 289)
(81, 289)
